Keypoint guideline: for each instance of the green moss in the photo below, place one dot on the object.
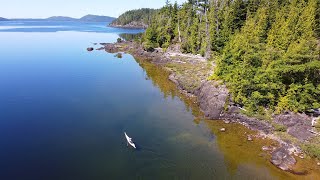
(261, 114)
(312, 150)
(189, 75)
(279, 128)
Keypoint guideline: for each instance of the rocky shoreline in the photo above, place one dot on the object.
(191, 72)
(131, 25)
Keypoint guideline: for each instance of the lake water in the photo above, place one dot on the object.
(63, 112)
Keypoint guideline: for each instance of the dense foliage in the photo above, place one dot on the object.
(266, 51)
(140, 16)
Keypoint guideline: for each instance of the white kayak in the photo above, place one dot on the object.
(129, 140)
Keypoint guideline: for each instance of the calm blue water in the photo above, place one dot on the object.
(63, 112)
(55, 26)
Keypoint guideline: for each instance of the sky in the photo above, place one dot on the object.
(73, 8)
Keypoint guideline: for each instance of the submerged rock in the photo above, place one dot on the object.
(118, 55)
(267, 148)
(282, 159)
(223, 129)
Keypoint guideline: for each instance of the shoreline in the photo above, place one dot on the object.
(129, 26)
(190, 73)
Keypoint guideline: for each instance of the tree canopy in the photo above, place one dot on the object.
(267, 52)
(143, 15)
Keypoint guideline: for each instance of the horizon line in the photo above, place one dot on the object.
(56, 16)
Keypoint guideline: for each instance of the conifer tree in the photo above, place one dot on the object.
(267, 52)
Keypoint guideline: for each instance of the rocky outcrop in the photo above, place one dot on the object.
(90, 49)
(110, 48)
(282, 159)
(212, 98)
(233, 114)
(298, 125)
(131, 25)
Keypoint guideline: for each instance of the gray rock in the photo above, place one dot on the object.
(292, 119)
(110, 48)
(226, 121)
(233, 109)
(267, 148)
(282, 159)
(90, 49)
(252, 123)
(298, 125)
(173, 78)
(300, 132)
(212, 98)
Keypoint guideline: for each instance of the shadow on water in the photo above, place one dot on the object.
(130, 36)
(159, 78)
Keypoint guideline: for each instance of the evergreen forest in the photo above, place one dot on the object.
(265, 51)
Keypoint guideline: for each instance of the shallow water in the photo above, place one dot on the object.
(63, 112)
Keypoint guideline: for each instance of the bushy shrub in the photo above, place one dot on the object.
(119, 40)
(148, 46)
(280, 128)
(312, 150)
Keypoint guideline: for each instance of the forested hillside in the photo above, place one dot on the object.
(266, 51)
(3, 19)
(135, 18)
(96, 18)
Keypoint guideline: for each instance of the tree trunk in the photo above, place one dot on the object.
(208, 38)
(208, 49)
(179, 30)
(216, 9)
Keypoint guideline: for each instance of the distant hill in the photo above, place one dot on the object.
(87, 18)
(61, 18)
(138, 18)
(26, 19)
(95, 18)
(3, 19)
